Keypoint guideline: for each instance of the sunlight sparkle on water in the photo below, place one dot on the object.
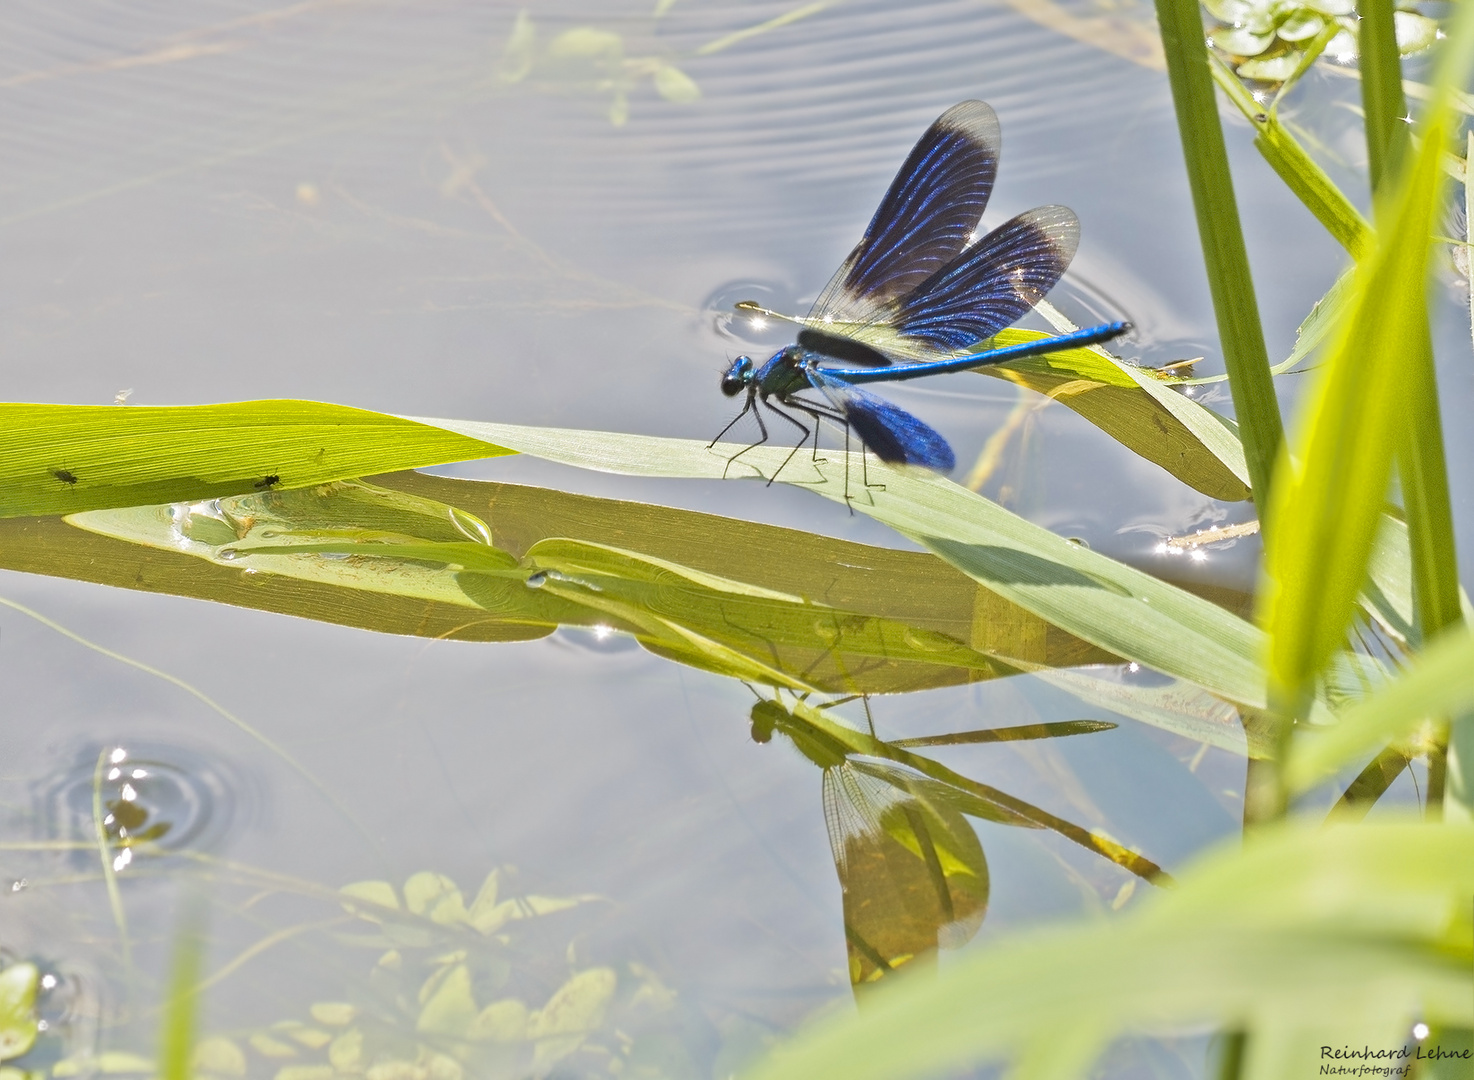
(1420, 1031)
(123, 858)
(601, 631)
(117, 755)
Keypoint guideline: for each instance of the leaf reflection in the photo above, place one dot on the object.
(421, 555)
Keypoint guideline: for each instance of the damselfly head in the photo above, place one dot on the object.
(737, 377)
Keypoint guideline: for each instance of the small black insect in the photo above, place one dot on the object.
(267, 482)
(64, 475)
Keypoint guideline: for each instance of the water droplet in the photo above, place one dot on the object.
(118, 755)
(600, 638)
(228, 554)
(170, 799)
(537, 580)
(470, 526)
(48, 981)
(19, 885)
(750, 323)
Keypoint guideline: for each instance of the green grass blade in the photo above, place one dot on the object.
(1329, 497)
(1224, 254)
(1304, 938)
(1357, 420)
(1292, 164)
(179, 1021)
(1438, 682)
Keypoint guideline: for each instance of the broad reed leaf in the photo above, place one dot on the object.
(1114, 607)
(1138, 409)
(1302, 938)
(194, 453)
(59, 459)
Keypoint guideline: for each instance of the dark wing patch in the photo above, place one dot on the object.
(991, 285)
(891, 433)
(842, 348)
(926, 218)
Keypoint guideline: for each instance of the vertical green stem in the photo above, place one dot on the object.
(1430, 523)
(1381, 89)
(1224, 254)
(179, 1022)
(1231, 1055)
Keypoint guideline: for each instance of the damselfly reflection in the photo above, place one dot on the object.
(911, 868)
(916, 297)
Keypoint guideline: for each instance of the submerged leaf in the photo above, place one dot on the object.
(378, 893)
(1301, 26)
(502, 1021)
(1415, 31)
(587, 42)
(575, 1011)
(1270, 68)
(436, 897)
(450, 1009)
(518, 55)
(1241, 41)
(673, 84)
(18, 1030)
(219, 1055)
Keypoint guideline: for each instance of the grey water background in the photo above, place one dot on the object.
(350, 202)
